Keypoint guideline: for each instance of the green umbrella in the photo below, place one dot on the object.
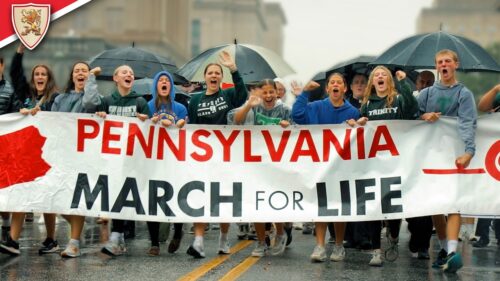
(417, 52)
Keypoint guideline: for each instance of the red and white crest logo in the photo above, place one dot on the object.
(31, 22)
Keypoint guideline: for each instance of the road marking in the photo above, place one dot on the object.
(206, 267)
(240, 269)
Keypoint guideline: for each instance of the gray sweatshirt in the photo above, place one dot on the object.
(454, 101)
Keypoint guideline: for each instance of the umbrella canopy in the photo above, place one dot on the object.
(347, 68)
(350, 67)
(143, 87)
(254, 63)
(143, 63)
(417, 52)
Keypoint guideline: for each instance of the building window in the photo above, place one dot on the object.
(195, 37)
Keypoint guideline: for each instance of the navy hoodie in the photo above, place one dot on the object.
(322, 111)
(173, 110)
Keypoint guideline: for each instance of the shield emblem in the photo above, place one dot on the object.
(31, 22)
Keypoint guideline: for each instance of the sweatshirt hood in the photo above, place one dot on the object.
(455, 88)
(155, 82)
(132, 95)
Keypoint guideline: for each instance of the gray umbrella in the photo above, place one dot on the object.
(143, 63)
(417, 52)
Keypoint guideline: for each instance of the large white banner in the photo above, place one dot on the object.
(124, 168)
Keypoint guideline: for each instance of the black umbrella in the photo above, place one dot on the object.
(254, 63)
(347, 68)
(143, 63)
(417, 52)
(353, 66)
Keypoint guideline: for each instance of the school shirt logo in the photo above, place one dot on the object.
(31, 22)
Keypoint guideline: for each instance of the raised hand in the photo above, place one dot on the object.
(96, 71)
(254, 100)
(227, 60)
(296, 88)
(312, 85)
(400, 75)
(20, 49)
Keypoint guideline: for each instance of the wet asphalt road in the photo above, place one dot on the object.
(479, 264)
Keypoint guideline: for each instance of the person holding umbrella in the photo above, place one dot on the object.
(211, 107)
(448, 97)
(164, 109)
(331, 110)
(122, 102)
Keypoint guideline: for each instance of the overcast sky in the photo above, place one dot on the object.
(321, 33)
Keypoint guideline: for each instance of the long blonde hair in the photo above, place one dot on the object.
(370, 89)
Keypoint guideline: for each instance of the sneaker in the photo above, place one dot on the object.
(242, 231)
(154, 251)
(252, 234)
(268, 240)
(29, 217)
(392, 252)
(48, 246)
(113, 248)
(338, 253)
(196, 252)
(121, 243)
(307, 228)
(376, 258)
(174, 244)
(453, 263)
(10, 247)
(279, 245)
(260, 250)
(441, 259)
(224, 247)
(297, 225)
(423, 255)
(5, 233)
(331, 240)
(71, 251)
(481, 243)
(319, 254)
(473, 238)
(288, 231)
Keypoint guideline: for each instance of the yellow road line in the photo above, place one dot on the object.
(240, 269)
(206, 267)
